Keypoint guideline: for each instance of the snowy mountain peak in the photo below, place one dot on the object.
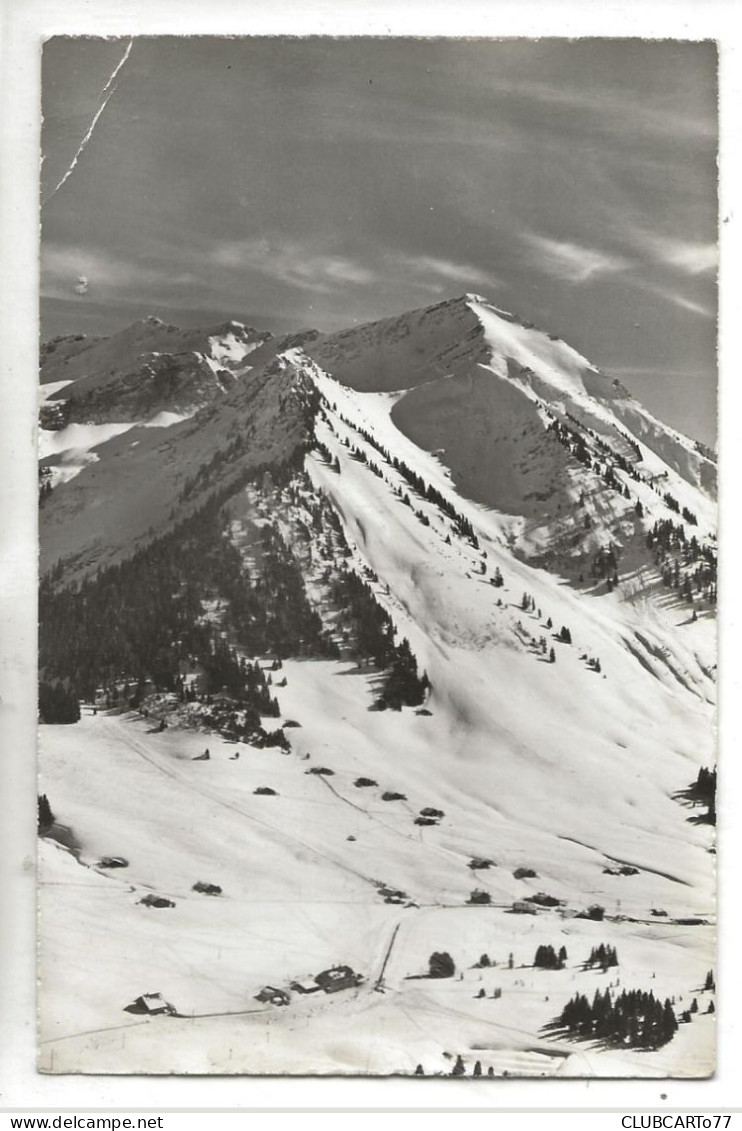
(466, 351)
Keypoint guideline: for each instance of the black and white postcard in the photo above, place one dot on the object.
(378, 556)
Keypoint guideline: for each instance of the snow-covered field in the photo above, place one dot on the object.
(298, 897)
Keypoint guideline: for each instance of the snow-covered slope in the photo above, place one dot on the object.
(146, 369)
(97, 361)
(492, 490)
(148, 477)
(457, 339)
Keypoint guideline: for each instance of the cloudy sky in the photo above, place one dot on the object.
(294, 183)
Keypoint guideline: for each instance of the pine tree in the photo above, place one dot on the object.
(547, 959)
(57, 704)
(669, 1022)
(441, 965)
(634, 1018)
(45, 815)
(402, 685)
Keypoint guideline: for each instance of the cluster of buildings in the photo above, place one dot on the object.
(331, 981)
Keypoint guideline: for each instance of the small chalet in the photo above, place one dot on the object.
(120, 692)
(194, 676)
(338, 978)
(150, 1004)
(206, 888)
(152, 900)
(306, 986)
(273, 996)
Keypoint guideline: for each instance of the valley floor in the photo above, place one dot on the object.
(304, 874)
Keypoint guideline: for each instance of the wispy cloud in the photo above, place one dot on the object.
(689, 257)
(294, 263)
(684, 303)
(686, 256)
(688, 304)
(312, 267)
(617, 110)
(433, 267)
(64, 266)
(572, 262)
(577, 264)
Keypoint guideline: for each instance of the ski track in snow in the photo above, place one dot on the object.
(282, 834)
